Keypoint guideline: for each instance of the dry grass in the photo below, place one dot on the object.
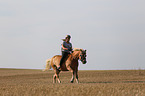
(92, 83)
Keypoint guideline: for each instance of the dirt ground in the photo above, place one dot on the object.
(24, 82)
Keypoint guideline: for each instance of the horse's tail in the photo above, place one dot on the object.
(48, 64)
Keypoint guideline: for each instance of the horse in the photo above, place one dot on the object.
(70, 64)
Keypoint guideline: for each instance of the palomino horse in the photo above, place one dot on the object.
(70, 64)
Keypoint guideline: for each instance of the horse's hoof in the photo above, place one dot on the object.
(71, 81)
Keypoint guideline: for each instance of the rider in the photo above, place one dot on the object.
(66, 49)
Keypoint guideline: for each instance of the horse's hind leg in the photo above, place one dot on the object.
(57, 76)
(54, 78)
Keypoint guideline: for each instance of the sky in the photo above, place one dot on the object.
(112, 32)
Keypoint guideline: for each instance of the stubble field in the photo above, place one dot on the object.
(20, 82)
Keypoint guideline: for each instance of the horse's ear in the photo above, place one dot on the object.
(85, 50)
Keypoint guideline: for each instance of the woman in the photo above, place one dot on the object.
(66, 49)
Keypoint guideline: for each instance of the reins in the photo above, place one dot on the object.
(74, 57)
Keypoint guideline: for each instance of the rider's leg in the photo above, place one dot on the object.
(64, 54)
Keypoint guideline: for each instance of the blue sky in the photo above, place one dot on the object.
(112, 31)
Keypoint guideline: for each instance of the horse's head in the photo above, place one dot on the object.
(82, 56)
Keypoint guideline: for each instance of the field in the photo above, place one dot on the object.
(24, 82)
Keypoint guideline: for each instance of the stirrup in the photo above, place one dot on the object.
(58, 68)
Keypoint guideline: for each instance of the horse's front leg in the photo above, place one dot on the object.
(72, 79)
(77, 77)
(72, 71)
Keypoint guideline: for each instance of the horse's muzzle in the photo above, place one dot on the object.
(84, 62)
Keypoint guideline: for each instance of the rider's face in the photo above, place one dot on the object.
(67, 39)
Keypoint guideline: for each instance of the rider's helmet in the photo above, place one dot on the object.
(68, 36)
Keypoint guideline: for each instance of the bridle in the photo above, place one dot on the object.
(81, 55)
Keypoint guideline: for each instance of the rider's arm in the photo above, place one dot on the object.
(64, 47)
(70, 49)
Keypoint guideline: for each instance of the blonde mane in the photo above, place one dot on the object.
(78, 49)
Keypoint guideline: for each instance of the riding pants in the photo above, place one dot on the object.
(64, 55)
